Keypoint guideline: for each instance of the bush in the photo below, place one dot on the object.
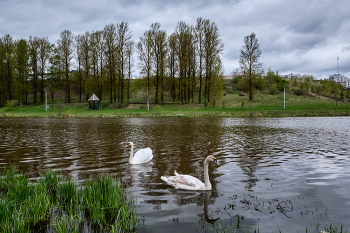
(9, 105)
(223, 103)
(297, 91)
(115, 105)
(205, 104)
(59, 108)
(273, 90)
(158, 108)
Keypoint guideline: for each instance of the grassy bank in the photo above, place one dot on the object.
(60, 205)
(232, 105)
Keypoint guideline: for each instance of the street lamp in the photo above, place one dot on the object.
(45, 100)
(284, 93)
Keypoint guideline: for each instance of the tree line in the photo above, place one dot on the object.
(184, 66)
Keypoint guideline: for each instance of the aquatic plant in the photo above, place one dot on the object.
(63, 205)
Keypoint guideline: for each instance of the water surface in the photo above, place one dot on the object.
(276, 173)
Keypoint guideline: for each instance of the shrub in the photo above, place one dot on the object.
(273, 90)
(158, 108)
(223, 103)
(9, 105)
(205, 104)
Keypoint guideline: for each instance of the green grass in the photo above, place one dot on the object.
(62, 205)
(263, 105)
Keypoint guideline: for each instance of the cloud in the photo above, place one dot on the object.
(345, 48)
(298, 36)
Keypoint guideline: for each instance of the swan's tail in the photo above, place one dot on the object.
(176, 174)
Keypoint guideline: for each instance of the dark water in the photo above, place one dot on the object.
(284, 174)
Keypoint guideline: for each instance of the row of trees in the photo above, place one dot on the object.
(185, 65)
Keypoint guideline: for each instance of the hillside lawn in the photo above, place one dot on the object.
(263, 105)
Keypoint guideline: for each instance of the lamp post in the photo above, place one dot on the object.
(147, 99)
(284, 96)
(45, 100)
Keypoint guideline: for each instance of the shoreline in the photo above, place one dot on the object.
(188, 114)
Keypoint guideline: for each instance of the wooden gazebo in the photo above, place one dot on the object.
(94, 102)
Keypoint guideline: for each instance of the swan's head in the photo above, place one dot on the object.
(212, 158)
(129, 144)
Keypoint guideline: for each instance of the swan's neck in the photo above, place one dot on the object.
(206, 176)
(131, 158)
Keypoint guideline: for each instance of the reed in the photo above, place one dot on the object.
(102, 204)
(107, 204)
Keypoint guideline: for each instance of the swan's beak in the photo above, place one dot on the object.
(216, 161)
(127, 145)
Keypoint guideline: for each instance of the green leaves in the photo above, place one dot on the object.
(102, 202)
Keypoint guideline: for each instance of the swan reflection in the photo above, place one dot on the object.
(139, 170)
(186, 197)
(206, 204)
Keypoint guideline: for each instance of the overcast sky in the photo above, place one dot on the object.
(303, 37)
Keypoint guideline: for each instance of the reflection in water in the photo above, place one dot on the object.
(206, 203)
(263, 161)
(184, 197)
(140, 171)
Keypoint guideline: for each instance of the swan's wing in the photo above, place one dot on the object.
(143, 156)
(184, 182)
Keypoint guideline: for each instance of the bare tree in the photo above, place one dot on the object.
(44, 54)
(191, 70)
(159, 48)
(55, 70)
(213, 46)
(249, 61)
(129, 56)
(110, 39)
(199, 32)
(8, 46)
(65, 48)
(85, 63)
(172, 63)
(97, 48)
(21, 56)
(123, 38)
(183, 32)
(145, 53)
(34, 60)
(217, 81)
(80, 59)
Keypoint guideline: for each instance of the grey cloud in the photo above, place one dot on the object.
(346, 48)
(288, 31)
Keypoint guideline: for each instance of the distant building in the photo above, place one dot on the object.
(305, 76)
(298, 76)
(339, 78)
(291, 75)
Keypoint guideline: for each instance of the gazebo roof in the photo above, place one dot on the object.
(93, 97)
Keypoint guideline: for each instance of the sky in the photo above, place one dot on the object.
(295, 36)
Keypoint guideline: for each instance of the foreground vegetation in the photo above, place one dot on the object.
(59, 204)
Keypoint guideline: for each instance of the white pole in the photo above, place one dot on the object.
(284, 96)
(45, 100)
(147, 99)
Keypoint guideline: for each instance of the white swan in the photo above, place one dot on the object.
(141, 156)
(189, 182)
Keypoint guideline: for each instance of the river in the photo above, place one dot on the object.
(276, 174)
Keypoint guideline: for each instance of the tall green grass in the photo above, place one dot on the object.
(62, 205)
